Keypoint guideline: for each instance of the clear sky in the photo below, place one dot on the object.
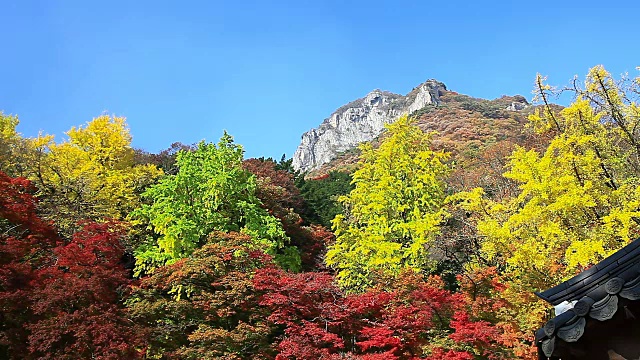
(267, 71)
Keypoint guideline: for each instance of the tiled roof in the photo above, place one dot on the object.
(595, 294)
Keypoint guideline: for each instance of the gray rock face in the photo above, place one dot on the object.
(359, 121)
(518, 104)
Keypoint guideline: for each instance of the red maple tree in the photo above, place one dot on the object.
(59, 299)
(411, 318)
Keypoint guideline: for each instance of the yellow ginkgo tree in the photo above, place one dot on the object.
(578, 201)
(91, 175)
(395, 210)
(12, 146)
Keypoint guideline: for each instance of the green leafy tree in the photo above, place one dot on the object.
(210, 192)
(321, 196)
(395, 210)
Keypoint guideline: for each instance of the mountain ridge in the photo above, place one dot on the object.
(360, 120)
(434, 106)
(461, 125)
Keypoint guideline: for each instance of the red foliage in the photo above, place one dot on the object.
(379, 338)
(493, 336)
(26, 243)
(205, 306)
(287, 194)
(321, 177)
(76, 302)
(312, 241)
(58, 300)
(479, 334)
(321, 322)
(279, 195)
(18, 206)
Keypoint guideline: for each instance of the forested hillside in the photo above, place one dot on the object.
(427, 243)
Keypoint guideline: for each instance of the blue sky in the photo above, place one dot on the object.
(267, 71)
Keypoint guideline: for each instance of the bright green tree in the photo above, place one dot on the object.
(579, 199)
(210, 192)
(395, 210)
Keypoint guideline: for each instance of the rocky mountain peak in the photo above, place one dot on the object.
(518, 102)
(361, 120)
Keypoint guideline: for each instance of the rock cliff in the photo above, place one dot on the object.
(359, 121)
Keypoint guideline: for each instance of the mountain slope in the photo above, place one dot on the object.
(463, 125)
(360, 120)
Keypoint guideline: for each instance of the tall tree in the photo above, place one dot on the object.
(578, 200)
(91, 175)
(210, 192)
(395, 210)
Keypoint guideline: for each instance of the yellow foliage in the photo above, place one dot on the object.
(394, 211)
(10, 144)
(578, 199)
(89, 176)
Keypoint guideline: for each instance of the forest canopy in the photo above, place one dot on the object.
(421, 252)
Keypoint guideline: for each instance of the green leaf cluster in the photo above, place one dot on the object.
(210, 192)
(321, 196)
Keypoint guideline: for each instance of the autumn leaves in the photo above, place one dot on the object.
(228, 264)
